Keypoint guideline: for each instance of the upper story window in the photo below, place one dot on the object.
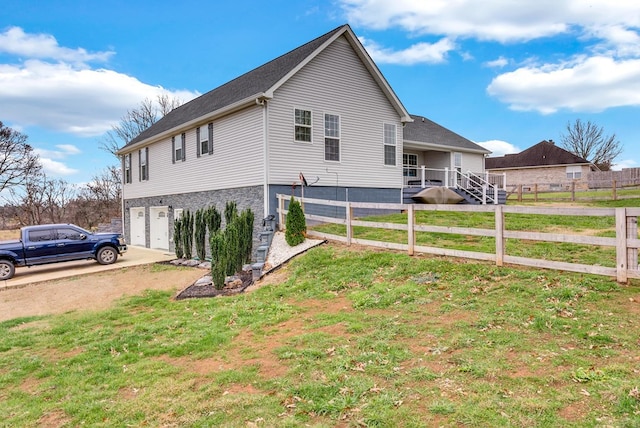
(204, 137)
(332, 137)
(143, 164)
(574, 172)
(389, 144)
(178, 145)
(127, 168)
(302, 125)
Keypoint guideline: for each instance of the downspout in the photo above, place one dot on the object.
(265, 147)
(122, 183)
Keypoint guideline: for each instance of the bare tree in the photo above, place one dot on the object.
(99, 200)
(17, 158)
(587, 140)
(137, 120)
(41, 200)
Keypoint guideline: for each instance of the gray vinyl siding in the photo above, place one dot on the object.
(472, 162)
(335, 82)
(236, 161)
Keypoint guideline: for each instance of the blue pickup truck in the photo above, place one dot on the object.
(53, 243)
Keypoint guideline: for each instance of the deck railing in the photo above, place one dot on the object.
(426, 177)
(625, 242)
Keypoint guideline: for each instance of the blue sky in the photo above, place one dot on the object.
(504, 74)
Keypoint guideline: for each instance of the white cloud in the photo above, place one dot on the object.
(499, 20)
(66, 95)
(55, 168)
(499, 148)
(497, 63)
(586, 84)
(418, 53)
(626, 163)
(15, 41)
(51, 160)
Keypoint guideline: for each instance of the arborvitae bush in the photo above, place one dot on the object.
(218, 242)
(230, 212)
(233, 247)
(214, 220)
(177, 237)
(247, 219)
(187, 233)
(200, 233)
(296, 225)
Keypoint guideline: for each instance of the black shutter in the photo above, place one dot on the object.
(139, 165)
(184, 146)
(173, 149)
(198, 141)
(210, 138)
(146, 156)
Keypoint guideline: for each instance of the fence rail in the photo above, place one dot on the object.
(626, 242)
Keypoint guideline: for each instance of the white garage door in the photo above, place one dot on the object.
(137, 226)
(159, 227)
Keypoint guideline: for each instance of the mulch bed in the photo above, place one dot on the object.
(197, 291)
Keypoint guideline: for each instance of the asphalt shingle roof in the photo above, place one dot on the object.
(544, 153)
(426, 131)
(254, 82)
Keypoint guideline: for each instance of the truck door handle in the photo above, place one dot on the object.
(31, 248)
(60, 245)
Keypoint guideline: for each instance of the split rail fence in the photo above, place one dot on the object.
(626, 242)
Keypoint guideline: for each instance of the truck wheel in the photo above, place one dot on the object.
(107, 255)
(7, 269)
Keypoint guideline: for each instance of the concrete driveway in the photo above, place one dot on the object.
(133, 257)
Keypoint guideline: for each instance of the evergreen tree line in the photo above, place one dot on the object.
(230, 248)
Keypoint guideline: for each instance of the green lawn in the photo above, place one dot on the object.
(345, 337)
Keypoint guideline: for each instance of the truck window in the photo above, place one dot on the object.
(69, 233)
(41, 235)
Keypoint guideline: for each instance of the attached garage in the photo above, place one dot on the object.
(138, 223)
(159, 227)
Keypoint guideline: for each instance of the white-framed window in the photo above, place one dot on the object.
(389, 144)
(177, 213)
(127, 168)
(178, 145)
(574, 172)
(204, 137)
(303, 126)
(409, 165)
(332, 137)
(143, 164)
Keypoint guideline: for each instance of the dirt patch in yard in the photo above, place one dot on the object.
(90, 292)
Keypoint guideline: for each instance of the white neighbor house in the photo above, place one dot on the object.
(323, 109)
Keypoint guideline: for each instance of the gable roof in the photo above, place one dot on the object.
(423, 130)
(259, 84)
(545, 153)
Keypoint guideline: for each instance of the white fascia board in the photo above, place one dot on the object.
(422, 145)
(225, 111)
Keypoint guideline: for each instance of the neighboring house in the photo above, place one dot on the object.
(546, 165)
(323, 110)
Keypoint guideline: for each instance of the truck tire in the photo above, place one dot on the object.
(7, 270)
(107, 255)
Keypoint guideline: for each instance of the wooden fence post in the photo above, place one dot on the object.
(614, 191)
(632, 233)
(573, 191)
(411, 220)
(349, 214)
(519, 192)
(535, 190)
(499, 221)
(621, 245)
